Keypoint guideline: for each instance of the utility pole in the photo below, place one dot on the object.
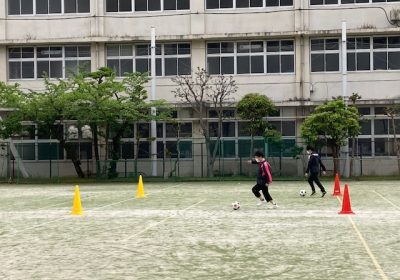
(346, 169)
(153, 98)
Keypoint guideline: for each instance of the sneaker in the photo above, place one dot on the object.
(261, 202)
(323, 194)
(313, 193)
(274, 205)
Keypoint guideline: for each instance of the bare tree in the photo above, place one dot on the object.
(202, 91)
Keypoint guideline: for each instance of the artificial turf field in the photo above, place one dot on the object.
(189, 231)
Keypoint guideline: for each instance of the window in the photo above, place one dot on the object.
(177, 59)
(173, 150)
(274, 3)
(120, 59)
(146, 5)
(240, 4)
(249, 3)
(250, 57)
(47, 151)
(55, 62)
(219, 4)
(178, 130)
(358, 54)
(176, 4)
(172, 59)
(381, 127)
(324, 55)
(220, 58)
(323, 2)
(386, 53)
(20, 7)
(143, 56)
(364, 111)
(365, 127)
(280, 56)
(119, 5)
(76, 6)
(43, 7)
(21, 63)
(77, 59)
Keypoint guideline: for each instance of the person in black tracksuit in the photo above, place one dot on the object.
(313, 168)
(264, 178)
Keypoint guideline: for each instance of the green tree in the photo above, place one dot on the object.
(255, 108)
(334, 123)
(109, 106)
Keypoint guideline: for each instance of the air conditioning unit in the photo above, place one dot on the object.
(395, 16)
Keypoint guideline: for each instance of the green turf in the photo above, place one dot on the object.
(189, 231)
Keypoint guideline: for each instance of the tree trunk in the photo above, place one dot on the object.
(96, 147)
(116, 151)
(71, 153)
(336, 160)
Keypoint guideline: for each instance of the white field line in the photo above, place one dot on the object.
(387, 200)
(160, 222)
(364, 242)
(66, 217)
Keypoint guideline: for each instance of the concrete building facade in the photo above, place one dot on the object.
(289, 50)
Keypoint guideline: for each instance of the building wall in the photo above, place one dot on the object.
(301, 23)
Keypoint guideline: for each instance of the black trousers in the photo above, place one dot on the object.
(314, 178)
(264, 188)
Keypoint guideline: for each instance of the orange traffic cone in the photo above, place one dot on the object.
(336, 189)
(346, 207)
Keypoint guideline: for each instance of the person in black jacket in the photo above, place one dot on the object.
(264, 178)
(313, 168)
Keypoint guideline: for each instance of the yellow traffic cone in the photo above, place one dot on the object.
(77, 207)
(140, 190)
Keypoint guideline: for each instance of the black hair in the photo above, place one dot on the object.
(309, 148)
(259, 154)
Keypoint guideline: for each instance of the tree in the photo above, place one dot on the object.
(254, 108)
(109, 106)
(333, 122)
(47, 110)
(353, 98)
(202, 91)
(393, 111)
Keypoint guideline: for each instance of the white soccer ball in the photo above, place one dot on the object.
(236, 205)
(302, 193)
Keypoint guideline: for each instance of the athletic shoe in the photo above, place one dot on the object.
(323, 194)
(274, 205)
(261, 202)
(312, 193)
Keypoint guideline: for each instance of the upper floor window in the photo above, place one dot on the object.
(324, 55)
(230, 4)
(40, 7)
(51, 61)
(336, 2)
(386, 53)
(171, 59)
(250, 57)
(146, 5)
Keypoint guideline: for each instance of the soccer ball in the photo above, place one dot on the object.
(236, 205)
(302, 193)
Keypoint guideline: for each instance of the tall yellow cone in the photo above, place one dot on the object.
(140, 190)
(77, 207)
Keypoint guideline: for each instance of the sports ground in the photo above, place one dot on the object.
(189, 231)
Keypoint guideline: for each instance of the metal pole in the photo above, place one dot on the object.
(153, 98)
(346, 171)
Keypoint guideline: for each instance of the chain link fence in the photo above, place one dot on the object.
(186, 158)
